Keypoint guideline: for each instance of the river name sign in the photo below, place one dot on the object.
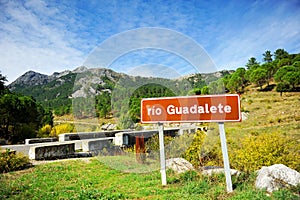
(205, 108)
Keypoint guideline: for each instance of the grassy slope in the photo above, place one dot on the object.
(81, 180)
(269, 112)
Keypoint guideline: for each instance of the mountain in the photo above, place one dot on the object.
(56, 91)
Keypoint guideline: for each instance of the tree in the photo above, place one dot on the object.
(280, 54)
(2, 81)
(252, 63)
(217, 87)
(284, 62)
(270, 68)
(125, 122)
(267, 56)
(21, 117)
(282, 87)
(283, 71)
(258, 76)
(103, 104)
(205, 90)
(241, 72)
(195, 91)
(292, 78)
(235, 83)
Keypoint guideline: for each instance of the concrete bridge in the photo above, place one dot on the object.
(88, 142)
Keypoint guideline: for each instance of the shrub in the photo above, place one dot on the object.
(205, 150)
(152, 145)
(193, 153)
(10, 161)
(264, 150)
(44, 131)
(62, 128)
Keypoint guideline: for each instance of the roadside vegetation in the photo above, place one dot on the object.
(93, 180)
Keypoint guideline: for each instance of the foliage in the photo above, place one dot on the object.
(152, 145)
(205, 90)
(193, 153)
(216, 87)
(258, 76)
(280, 54)
(125, 122)
(10, 161)
(252, 63)
(270, 68)
(2, 83)
(265, 150)
(21, 116)
(148, 90)
(235, 83)
(282, 87)
(267, 56)
(62, 128)
(44, 131)
(103, 104)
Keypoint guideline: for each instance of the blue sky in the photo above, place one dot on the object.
(49, 36)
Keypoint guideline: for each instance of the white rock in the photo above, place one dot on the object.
(276, 176)
(209, 172)
(179, 165)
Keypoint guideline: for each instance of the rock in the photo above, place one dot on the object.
(245, 116)
(179, 165)
(208, 171)
(275, 177)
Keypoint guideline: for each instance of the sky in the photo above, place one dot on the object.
(52, 36)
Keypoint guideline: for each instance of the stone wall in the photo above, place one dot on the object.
(86, 135)
(39, 140)
(95, 146)
(44, 152)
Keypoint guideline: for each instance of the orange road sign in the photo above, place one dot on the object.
(207, 108)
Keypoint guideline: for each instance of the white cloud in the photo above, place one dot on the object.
(32, 39)
(49, 36)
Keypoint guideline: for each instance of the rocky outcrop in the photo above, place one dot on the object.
(31, 78)
(179, 165)
(275, 177)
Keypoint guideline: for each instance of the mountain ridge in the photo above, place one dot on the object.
(56, 91)
(31, 77)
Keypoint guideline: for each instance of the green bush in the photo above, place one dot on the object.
(193, 153)
(264, 150)
(153, 143)
(205, 150)
(62, 128)
(44, 131)
(10, 161)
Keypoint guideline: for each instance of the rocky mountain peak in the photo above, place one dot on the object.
(80, 69)
(30, 78)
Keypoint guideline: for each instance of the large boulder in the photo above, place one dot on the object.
(275, 177)
(179, 165)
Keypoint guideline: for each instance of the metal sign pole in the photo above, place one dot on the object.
(225, 157)
(162, 154)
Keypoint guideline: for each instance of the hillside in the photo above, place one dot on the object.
(57, 90)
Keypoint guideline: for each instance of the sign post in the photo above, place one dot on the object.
(225, 157)
(208, 108)
(162, 154)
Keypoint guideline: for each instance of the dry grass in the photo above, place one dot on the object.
(269, 112)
